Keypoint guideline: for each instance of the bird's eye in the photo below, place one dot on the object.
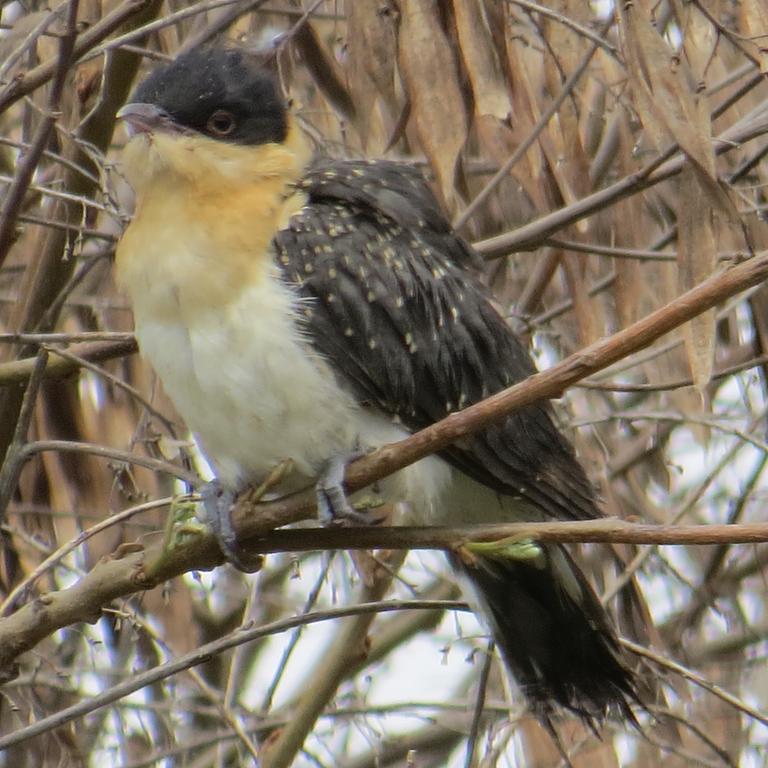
(221, 123)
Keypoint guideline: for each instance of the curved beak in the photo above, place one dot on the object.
(146, 118)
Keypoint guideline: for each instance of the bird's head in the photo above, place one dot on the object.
(212, 112)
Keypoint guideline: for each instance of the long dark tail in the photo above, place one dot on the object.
(553, 633)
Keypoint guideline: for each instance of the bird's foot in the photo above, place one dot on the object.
(217, 503)
(333, 507)
(522, 548)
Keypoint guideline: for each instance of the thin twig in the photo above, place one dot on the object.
(15, 455)
(566, 21)
(479, 708)
(28, 165)
(209, 650)
(347, 646)
(18, 371)
(309, 604)
(606, 250)
(117, 382)
(103, 452)
(23, 588)
(533, 134)
(65, 338)
(30, 81)
(696, 679)
(612, 386)
(532, 235)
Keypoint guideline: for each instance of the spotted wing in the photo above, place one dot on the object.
(397, 308)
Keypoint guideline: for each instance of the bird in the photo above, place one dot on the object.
(303, 308)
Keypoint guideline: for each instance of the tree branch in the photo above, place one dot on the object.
(603, 531)
(18, 371)
(27, 82)
(533, 234)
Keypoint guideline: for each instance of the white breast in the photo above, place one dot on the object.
(248, 385)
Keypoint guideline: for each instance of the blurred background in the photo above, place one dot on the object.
(603, 159)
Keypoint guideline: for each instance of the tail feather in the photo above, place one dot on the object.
(553, 634)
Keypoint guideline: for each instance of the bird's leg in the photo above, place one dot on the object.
(333, 507)
(217, 502)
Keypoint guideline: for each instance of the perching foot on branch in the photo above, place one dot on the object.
(218, 503)
(333, 506)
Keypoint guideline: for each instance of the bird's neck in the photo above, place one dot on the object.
(206, 213)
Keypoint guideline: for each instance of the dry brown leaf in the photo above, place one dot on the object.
(428, 66)
(635, 293)
(665, 91)
(489, 86)
(492, 132)
(666, 98)
(569, 164)
(586, 312)
(524, 114)
(696, 259)
(593, 120)
(372, 68)
(700, 40)
(754, 18)
(375, 22)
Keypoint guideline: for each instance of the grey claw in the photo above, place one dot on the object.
(217, 503)
(333, 507)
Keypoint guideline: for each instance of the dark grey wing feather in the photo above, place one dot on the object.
(397, 307)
